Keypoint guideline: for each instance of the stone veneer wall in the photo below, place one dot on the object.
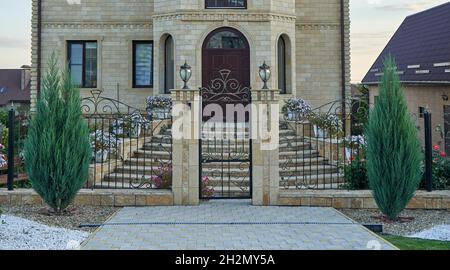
(312, 28)
(423, 96)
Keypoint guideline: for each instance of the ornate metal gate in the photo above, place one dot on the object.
(225, 145)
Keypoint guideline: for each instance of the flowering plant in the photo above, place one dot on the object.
(3, 161)
(358, 142)
(299, 107)
(102, 140)
(441, 169)
(164, 178)
(326, 121)
(159, 102)
(137, 119)
(206, 190)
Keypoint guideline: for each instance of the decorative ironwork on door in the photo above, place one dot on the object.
(225, 146)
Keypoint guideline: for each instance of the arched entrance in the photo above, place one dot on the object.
(225, 146)
(225, 69)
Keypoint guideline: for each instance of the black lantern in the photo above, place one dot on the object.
(444, 97)
(264, 74)
(185, 74)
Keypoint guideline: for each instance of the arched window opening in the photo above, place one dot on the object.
(169, 62)
(282, 66)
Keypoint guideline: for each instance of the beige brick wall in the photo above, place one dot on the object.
(318, 56)
(311, 28)
(423, 96)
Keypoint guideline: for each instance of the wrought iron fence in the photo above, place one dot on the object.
(13, 131)
(321, 148)
(132, 149)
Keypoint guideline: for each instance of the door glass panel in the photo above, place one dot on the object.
(226, 40)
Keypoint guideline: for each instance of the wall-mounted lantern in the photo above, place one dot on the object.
(264, 74)
(185, 74)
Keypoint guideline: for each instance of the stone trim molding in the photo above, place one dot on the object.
(99, 25)
(100, 197)
(222, 16)
(359, 199)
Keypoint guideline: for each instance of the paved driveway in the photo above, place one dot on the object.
(232, 225)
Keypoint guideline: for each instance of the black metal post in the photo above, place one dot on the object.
(428, 152)
(10, 182)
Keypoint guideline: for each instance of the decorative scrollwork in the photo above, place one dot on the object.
(225, 90)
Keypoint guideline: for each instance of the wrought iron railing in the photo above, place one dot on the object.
(322, 148)
(132, 149)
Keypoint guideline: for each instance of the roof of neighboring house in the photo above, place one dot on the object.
(10, 87)
(421, 48)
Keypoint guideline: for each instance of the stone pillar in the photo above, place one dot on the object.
(185, 146)
(265, 146)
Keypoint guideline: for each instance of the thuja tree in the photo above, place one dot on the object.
(57, 151)
(393, 148)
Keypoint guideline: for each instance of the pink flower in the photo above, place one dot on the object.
(436, 148)
(443, 154)
(2, 146)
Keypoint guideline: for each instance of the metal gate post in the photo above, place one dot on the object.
(428, 151)
(265, 117)
(185, 149)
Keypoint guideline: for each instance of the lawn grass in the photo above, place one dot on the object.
(406, 243)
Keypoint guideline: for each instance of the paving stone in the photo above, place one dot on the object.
(231, 225)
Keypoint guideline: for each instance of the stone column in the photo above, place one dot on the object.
(185, 146)
(265, 146)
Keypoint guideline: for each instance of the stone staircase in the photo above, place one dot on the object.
(226, 159)
(144, 164)
(302, 166)
(226, 162)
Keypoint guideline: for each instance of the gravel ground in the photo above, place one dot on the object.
(22, 234)
(423, 220)
(81, 215)
(441, 233)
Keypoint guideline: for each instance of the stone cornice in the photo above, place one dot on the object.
(99, 25)
(222, 16)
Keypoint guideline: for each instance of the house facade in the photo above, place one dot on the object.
(15, 88)
(133, 49)
(421, 48)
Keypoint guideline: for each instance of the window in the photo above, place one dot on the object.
(226, 40)
(242, 4)
(421, 112)
(282, 65)
(142, 64)
(82, 59)
(169, 65)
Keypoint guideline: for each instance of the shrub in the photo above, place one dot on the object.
(393, 148)
(57, 150)
(355, 175)
(355, 171)
(441, 170)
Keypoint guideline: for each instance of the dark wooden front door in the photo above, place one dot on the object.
(225, 69)
(447, 129)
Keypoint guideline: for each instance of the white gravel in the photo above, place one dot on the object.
(22, 234)
(441, 232)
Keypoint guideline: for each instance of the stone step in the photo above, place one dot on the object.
(141, 161)
(312, 180)
(134, 169)
(127, 178)
(303, 162)
(298, 154)
(152, 154)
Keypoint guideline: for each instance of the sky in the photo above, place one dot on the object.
(373, 22)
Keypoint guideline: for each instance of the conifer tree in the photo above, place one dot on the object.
(393, 148)
(57, 150)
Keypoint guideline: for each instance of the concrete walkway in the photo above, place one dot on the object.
(232, 225)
